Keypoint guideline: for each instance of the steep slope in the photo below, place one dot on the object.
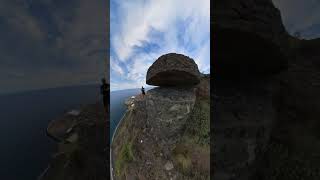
(165, 134)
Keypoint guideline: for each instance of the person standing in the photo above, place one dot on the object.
(104, 89)
(142, 91)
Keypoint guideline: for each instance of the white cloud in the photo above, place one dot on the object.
(138, 17)
(114, 66)
(139, 67)
(184, 27)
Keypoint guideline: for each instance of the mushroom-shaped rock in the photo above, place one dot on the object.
(173, 70)
(249, 39)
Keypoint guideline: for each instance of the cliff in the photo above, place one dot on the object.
(165, 133)
(82, 140)
(266, 98)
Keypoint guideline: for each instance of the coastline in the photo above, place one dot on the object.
(115, 131)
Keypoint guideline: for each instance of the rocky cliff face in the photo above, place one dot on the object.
(294, 150)
(249, 38)
(265, 95)
(243, 116)
(82, 140)
(165, 134)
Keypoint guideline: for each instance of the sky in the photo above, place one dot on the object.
(56, 43)
(143, 30)
(52, 43)
(300, 16)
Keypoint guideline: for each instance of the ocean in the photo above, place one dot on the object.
(117, 106)
(25, 149)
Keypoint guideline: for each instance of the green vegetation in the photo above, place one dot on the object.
(192, 159)
(199, 122)
(125, 138)
(191, 154)
(125, 156)
(183, 157)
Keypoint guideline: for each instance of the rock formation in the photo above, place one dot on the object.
(165, 135)
(173, 70)
(293, 150)
(265, 96)
(82, 145)
(249, 38)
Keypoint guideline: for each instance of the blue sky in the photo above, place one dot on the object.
(143, 30)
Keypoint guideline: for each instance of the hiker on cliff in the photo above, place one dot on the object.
(104, 89)
(142, 90)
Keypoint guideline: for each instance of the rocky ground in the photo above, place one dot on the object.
(83, 150)
(165, 134)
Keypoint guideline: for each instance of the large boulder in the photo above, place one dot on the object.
(173, 70)
(249, 39)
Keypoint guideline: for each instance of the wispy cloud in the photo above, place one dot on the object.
(114, 65)
(143, 30)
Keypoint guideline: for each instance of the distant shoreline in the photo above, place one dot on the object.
(147, 88)
(115, 131)
(10, 93)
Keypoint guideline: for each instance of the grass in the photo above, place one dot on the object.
(199, 122)
(125, 137)
(188, 158)
(194, 146)
(184, 162)
(125, 156)
(182, 157)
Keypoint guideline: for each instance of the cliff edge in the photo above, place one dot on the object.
(165, 133)
(82, 140)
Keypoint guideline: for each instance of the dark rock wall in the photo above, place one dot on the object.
(243, 116)
(266, 101)
(249, 39)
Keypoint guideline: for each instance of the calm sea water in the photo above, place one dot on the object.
(25, 149)
(117, 106)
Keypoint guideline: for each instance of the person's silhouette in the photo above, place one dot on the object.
(142, 90)
(104, 89)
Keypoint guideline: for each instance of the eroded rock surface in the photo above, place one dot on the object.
(167, 111)
(173, 70)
